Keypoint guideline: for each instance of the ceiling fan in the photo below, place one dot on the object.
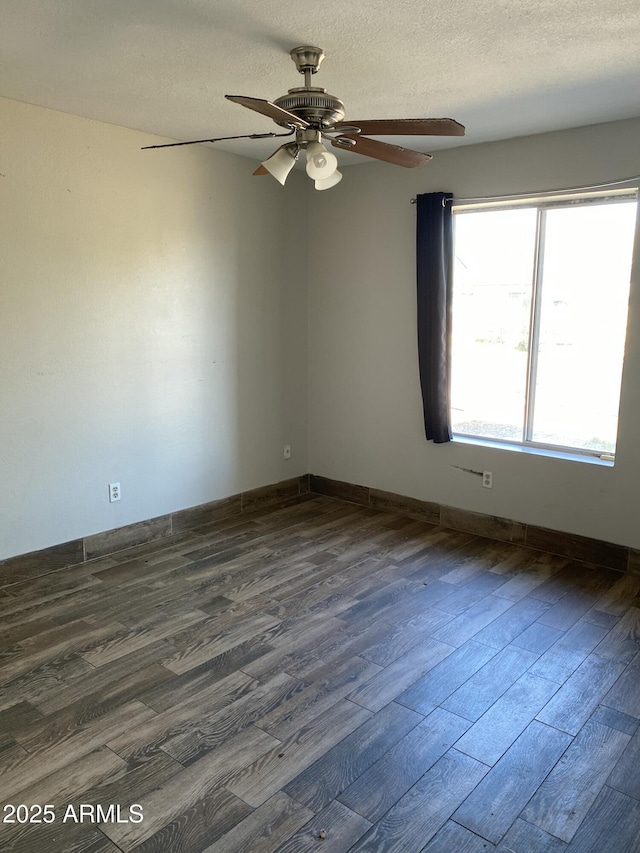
(311, 114)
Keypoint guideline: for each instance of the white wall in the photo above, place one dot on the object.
(151, 329)
(365, 410)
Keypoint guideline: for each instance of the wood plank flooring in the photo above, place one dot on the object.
(321, 676)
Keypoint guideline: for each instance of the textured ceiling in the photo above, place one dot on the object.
(501, 67)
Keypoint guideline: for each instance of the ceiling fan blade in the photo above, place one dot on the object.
(408, 127)
(268, 109)
(381, 151)
(216, 139)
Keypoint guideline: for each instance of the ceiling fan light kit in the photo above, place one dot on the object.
(321, 163)
(331, 181)
(312, 114)
(281, 162)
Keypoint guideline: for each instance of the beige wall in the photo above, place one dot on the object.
(151, 331)
(365, 409)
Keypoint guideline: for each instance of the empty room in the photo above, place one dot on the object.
(319, 418)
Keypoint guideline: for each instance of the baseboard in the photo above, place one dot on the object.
(575, 547)
(36, 563)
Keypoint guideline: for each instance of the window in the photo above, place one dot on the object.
(540, 294)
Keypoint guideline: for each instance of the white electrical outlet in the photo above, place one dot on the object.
(487, 479)
(114, 492)
(287, 451)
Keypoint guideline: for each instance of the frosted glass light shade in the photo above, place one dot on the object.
(331, 181)
(280, 164)
(321, 163)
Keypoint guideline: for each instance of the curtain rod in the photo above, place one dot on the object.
(518, 196)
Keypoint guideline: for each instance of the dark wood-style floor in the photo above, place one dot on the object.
(324, 669)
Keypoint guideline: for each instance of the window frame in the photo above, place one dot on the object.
(542, 204)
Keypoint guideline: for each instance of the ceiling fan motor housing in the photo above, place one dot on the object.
(307, 102)
(313, 105)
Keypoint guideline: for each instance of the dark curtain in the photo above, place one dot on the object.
(434, 248)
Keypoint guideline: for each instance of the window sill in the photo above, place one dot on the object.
(533, 451)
